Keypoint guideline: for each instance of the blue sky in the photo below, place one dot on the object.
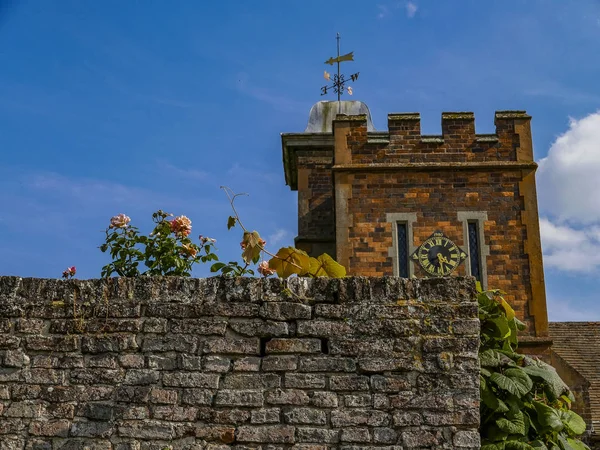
(112, 106)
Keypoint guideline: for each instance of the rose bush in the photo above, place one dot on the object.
(167, 250)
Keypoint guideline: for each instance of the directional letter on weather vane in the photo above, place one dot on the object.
(339, 81)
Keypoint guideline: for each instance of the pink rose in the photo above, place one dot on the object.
(119, 221)
(181, 225)
(189, 250)
(264, 269)
(70, 272)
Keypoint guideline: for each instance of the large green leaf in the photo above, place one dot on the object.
(490, 400)
(494, 446)
(539, 445)
(577, 444)
(555, 386)
(572, 421)
(493, 358)
(512, 423)
(326, 266)
(492, 433)
(513, 380)
(517, 445)
(548, 417)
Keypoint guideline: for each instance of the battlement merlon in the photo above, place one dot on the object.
(511, 142)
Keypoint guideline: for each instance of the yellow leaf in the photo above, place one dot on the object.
(289, 261)
(252, 247)
(326, 266)
(510, 313)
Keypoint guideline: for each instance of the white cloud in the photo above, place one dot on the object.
(411, 9)
(569, 177)
(570, 249)
(569, 187)
(383, 11)
(569, 311)
(193, 175)
(280, 235)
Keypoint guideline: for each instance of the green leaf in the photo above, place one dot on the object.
(501, 323)
(513, 380)
(231, 222)
(577, 444)
(520, 325)
(498, 446)
(326, 266)
(493, 358)
(539, 445)
(548, 417)
(555, 386)
(573, 422)
(517, 445)
(512, 423)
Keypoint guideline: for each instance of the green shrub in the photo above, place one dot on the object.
(524, 403)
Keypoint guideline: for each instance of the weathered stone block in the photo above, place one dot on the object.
(141, 376)
(359, 435)
(249, 398)
(260, 328)
(219, 364)
(358, 401)
(466, 439)
(197, 397)
(273, 434)
(193, 379)
(305, 416)
(92, 429)
(285, 311)
(164, 396)
(266, 415)
(204, 326)
(348, 418)
(318, 435)
(250, 381)
(305, 381)
(248, 346)
(247, 364)
(349, 383)
(146, 430)
(276, 363)
(326, 364)
(324, 399)
(287, 397)
(294, 346)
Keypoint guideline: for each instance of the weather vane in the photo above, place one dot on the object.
(339, 81)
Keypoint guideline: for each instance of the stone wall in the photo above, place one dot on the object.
(217, 363)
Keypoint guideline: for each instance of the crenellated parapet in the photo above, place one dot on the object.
(459, 143)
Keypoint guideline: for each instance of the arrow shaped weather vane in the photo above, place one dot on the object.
(339, 81)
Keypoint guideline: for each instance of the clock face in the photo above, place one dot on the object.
(438, 255)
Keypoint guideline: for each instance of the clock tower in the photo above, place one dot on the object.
(393, 203)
